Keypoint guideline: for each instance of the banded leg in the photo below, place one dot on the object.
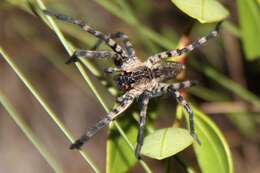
(128, 100)
(91, 54)
(188, 109)
(165, 88)
(112, 70)
(110, 42)
(177, 52)
(140, 137)
(126, 43)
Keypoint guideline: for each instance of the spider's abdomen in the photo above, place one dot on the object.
(127, 80)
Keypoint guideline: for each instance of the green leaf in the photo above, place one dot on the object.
(206, 11)
(249, 15)
(166, 142)
(213, 154)
(120, 158)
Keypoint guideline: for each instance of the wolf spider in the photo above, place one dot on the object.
(138, 80)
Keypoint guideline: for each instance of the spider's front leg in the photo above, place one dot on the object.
(128, 100)
(126, 43)
(188, 109)
(144, 100)
(106, 38)
(177, 52)
(91, 54)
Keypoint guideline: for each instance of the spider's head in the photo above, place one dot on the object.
(169, 69)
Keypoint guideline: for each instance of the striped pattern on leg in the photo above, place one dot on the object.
(128, 100)
(140, 137)
(165, 88)
(177, 52)
(91, 54)
(188, 109)
(127, 44)
(110, 42)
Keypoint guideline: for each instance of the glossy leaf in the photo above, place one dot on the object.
(249, 15)
(166, 142)
(213, 154)
(120, 157)
(206, 11)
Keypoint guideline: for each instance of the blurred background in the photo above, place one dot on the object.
(228, 73)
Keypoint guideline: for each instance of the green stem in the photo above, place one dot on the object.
(46, 107)
(29, 134)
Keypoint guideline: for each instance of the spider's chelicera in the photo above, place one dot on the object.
(137, 79)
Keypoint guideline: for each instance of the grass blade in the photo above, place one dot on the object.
(29, 134)
(46, 107)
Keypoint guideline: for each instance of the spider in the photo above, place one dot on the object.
(138, 80)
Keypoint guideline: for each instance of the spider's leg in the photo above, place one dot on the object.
(91, 54)
(111, 70)
(128, 100)
(127, 44)
(106, 38)
(163, 88)
(144, 104)
(188, 109)
(177, 52)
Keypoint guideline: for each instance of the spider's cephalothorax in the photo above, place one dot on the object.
(138, 80)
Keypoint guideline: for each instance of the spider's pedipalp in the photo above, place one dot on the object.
(126, 102)
(177, 52)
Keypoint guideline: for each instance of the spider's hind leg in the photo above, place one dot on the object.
(144, 100)
(91, 132)
(164, 88)
(188, 109)
(128, 100)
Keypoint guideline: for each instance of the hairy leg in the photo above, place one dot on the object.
(188, 109)
(164, 88)
(91, 54)
(144, 104)
(177, 52)
(128, 100)
(106, 38)
(126, 43)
